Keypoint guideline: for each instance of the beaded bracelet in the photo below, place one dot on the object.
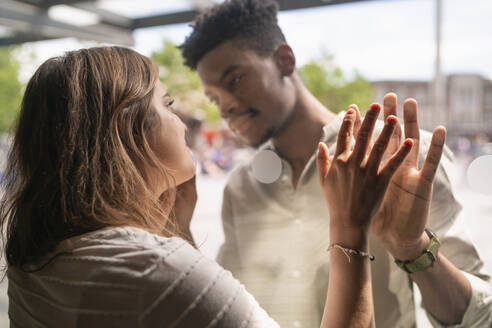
(346, 251)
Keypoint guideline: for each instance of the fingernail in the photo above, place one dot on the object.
(391, 120)
(350, 111)
(375, 107)
(441, 133)
(320, 149)
(408, 142)
(440, 138)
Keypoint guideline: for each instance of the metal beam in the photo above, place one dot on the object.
(305, 4)
(188, 16)
(105, 16)
(21, 38)
(63, 2)
(49, 3)
(166, 19)
(35, 21)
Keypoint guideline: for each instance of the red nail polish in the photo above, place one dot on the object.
(391, 120)
(375, 107)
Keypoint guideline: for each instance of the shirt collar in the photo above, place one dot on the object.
(330, 130)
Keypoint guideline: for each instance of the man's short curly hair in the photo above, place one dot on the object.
(253, 22)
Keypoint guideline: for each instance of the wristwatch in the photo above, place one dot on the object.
(425, 260)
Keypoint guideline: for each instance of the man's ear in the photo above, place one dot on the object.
(285, 59)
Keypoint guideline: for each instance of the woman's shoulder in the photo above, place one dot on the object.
(105, 239)
(113, 254)
(126, 247)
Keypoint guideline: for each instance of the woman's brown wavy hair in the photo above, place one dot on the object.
(81, 158)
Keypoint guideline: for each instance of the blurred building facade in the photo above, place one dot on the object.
(466, 109)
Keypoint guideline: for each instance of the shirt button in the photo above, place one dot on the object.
(296, 323)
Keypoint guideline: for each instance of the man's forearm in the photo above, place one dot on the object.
(446, 292)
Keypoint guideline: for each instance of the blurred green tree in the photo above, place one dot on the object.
(10, 88)
(327, 82)
(183, 84)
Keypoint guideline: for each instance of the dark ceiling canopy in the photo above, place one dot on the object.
(28, 20)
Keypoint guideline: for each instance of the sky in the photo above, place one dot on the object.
(382, 40)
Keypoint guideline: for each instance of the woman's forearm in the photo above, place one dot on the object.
(349, 296)
(354, 184)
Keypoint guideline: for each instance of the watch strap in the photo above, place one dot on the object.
(425, 260)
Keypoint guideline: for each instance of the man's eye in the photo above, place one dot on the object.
(234, 82)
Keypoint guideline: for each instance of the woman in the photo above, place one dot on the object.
(90, 186)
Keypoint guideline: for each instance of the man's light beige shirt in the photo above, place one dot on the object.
(277, 236)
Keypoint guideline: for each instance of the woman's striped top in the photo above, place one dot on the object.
(127, 277)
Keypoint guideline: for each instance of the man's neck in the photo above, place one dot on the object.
(298, 138)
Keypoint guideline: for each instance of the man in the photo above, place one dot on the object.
(276, 234)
